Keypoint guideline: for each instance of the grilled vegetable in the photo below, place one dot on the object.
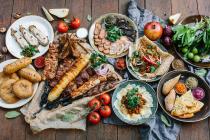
(43, 39)
(68, 77)
(19, 38)
(17, 65)
(30, 74)
(28, 36)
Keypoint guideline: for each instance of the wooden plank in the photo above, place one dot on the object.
(204, 7)
(161, 8)
(101, 131)
(80, 9)
(190, 8)
(196, 130)
(128, 132)
(5, 20)
(10, 129)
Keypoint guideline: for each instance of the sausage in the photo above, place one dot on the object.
(17, 65)
(30, 74)
(19, 39)
(43, 39)
(29, 37)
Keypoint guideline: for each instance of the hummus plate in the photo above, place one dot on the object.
(147, 105)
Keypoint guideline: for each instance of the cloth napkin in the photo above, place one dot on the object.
(154, 129)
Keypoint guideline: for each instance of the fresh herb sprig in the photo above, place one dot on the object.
(189, 36)
(29, 51)
(113, 33)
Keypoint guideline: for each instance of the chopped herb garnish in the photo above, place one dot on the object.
(132, 98)
(29, 51)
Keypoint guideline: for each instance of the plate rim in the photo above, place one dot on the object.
(116, 112)
(23, 18)
(163, 108)
(91, 33)
(35, 85)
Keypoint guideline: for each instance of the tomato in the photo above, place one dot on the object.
(62, 27)
(105, 111)
(94, 104)
(120, 63)
(94, 118)
(75, 23)
(105, 99)
(39, 62)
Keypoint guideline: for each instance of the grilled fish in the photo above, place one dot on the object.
(43, 39)
(29, 37)
(19, 39)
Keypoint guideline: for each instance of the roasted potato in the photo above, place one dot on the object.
(17, 65)
(30, 74)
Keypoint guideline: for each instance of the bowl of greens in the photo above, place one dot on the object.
(191, 40)
(113, 34)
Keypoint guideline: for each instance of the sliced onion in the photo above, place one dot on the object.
(102, 70)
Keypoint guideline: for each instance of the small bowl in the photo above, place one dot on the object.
(203, 113)
(148, 88)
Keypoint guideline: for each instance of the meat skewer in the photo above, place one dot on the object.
(92, 82)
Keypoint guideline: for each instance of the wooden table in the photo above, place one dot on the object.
(17, 129)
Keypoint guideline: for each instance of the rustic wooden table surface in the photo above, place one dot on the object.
(17, 129)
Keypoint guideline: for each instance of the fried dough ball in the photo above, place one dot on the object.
(23, 88)
(6, 92)
(3, 77)
(14, 76)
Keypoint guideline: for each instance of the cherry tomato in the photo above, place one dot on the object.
(94, 118)
(75, 23)
(94, 104)
(39, 62)
(105, 111)
(62, 27)
(105, 99)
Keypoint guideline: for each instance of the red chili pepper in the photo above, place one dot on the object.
(149, 61)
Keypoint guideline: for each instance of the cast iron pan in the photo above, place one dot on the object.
(203, 113)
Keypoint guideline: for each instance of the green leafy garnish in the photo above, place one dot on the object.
(132, 98)
(113, 33)
(29, 51)
(97, 59)
(152, 69)
(12, 114)
(193, 36)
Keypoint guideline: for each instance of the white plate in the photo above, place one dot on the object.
(22, 101)
(41, 23)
